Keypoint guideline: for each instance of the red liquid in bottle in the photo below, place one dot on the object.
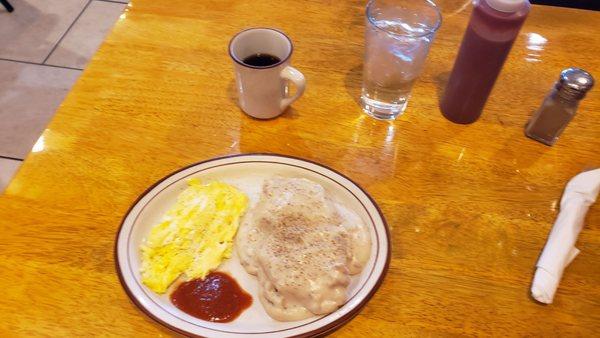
(484, 48)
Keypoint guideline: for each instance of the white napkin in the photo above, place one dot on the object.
(580, 193)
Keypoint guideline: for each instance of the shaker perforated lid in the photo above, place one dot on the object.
(575, 82)
(509, 6)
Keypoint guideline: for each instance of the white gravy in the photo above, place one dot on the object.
(303, 247)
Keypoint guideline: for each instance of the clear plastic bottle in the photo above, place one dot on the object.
(492, 30)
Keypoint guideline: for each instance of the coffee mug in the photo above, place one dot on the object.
(261, 57)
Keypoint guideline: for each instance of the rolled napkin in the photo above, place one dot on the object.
(580, 193)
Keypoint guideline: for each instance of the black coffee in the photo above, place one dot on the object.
(261, 60)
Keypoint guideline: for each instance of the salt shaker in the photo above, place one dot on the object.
(559, 107)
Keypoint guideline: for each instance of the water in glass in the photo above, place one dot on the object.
(397, 42)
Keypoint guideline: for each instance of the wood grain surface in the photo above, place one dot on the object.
(469, 206)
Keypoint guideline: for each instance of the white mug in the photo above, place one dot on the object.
(263, 90)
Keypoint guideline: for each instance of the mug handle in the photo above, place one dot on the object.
(294, 75)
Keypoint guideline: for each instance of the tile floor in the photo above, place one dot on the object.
(44, 46)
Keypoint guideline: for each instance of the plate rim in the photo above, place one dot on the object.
(326, 329)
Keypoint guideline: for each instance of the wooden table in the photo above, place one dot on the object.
(469, 206)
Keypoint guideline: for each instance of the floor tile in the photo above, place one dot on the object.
(8, 168)
(29, 95)
(83, 39)
(31, 31)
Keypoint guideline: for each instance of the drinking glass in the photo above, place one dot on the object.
(398, 35)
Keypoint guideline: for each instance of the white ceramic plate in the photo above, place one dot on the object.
(247, 172)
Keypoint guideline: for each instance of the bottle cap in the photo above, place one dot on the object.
(574, 83)
(509, 6)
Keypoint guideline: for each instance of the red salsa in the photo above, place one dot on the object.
(216, 298)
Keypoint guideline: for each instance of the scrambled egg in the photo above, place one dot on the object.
(194, 236)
